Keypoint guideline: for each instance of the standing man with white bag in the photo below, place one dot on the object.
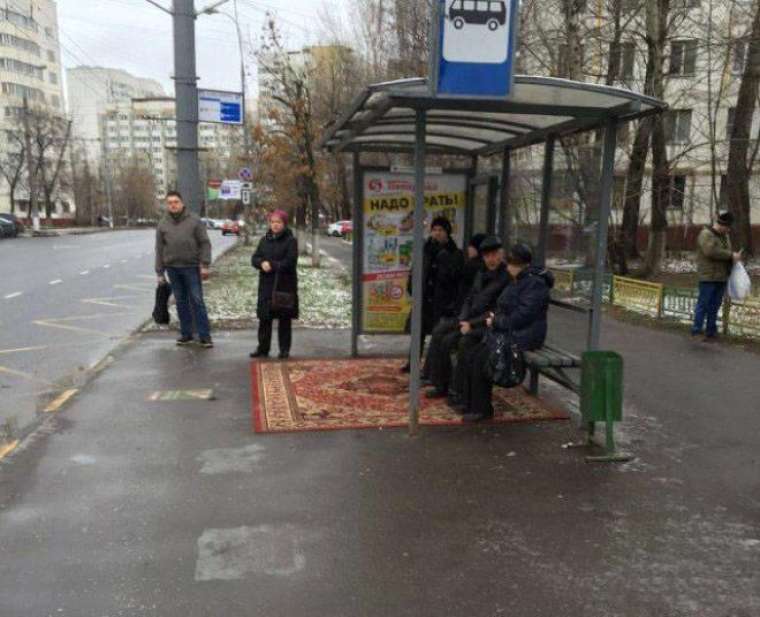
(715, 259)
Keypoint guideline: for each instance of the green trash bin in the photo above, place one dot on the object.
(602, 397)
(602, 386)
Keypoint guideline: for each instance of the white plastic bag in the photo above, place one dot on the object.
(739, 285)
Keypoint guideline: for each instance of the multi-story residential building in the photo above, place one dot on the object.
(145, 129)
(704, 56)
(92, 89)
(30, 67)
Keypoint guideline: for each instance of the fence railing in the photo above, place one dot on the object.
(659, 301)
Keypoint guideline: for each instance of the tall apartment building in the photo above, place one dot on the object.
(705, 55)
(30, 65)
(92, 89)
(146, 129)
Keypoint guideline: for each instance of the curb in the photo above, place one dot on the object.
(11, 436)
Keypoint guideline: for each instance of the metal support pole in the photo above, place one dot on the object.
(469, 211)
(546, 195)
(357, 240)
(417, 256)
(505, 211)
(185, 86)
(600, 258)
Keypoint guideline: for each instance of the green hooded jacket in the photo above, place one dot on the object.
(714, 256)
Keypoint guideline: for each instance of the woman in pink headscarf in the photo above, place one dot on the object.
(276, 259)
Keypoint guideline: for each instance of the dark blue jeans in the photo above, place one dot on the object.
(709, 303)
(187, 288)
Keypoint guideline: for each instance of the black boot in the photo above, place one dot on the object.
(259, 354)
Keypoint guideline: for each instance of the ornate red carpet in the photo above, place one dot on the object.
(314, 395)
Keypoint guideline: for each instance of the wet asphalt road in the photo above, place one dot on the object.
(65, 302)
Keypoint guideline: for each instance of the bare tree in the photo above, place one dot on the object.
(739, 161)
(13, 164)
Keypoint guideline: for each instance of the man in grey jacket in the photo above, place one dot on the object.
(183, 252)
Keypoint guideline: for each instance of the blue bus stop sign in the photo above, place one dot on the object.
(474, 48)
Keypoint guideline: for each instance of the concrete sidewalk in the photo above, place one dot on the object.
(121, 506)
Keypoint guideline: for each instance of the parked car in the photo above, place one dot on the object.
(340, 228)
(7, 229)
(208, 223)
(231, 227)
(14, 220)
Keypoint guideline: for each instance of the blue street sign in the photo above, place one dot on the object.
(222, 107)
(475, 47)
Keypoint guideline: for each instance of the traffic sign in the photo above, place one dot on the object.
(247, 186)
(246, 197)
(474, 48)
(230, 189)
(221, 107)
(246, 174)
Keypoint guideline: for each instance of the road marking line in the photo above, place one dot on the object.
(105, 301)
(123, 261)
(21, 349)
(13, 295)
(84, 273)
(7, 448)
(55, 323)
(55, 282)
(107, 266)
(27, 376)
(60, 401)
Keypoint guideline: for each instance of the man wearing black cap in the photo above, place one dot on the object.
(715, 259)
(521, 311)
(467, 331)
(441, 274)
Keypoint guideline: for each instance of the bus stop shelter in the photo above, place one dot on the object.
(404, 117)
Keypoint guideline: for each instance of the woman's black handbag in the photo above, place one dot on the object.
(282, 301)
(161, 307)
(506, 363)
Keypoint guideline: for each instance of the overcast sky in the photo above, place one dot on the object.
(135, 36)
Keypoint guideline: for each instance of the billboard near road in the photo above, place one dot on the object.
(388, 227)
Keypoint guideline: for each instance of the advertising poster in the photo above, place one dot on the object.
(388, 237)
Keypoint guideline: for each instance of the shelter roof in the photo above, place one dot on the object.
(382, 117)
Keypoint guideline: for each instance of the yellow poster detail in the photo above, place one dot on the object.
(388, 240)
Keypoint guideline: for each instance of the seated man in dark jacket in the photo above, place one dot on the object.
(468, 329)
(521, 310)
(441, 275)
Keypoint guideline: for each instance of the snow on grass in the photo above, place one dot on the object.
(232, 291)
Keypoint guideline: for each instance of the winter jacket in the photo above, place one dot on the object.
(715, 257)
(441, 275)
(281, 251)
(523, 306)
(470, 271)
(181, 242)
(485, 291)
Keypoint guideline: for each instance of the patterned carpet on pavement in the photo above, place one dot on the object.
(334, 394)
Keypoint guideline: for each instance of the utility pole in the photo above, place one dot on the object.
(109, 186)
(34, 213)
(186, 91)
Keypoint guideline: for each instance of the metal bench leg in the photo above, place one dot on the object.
(534, 373)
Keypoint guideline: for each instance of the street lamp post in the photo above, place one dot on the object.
(246, 133)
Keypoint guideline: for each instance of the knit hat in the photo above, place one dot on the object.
(490, 243)
(441, 221)
(280, 214)
(519, 255)
(726, 219)
(476, 241)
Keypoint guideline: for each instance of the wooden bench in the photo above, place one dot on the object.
(552, 362)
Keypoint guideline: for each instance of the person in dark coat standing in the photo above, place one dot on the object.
(441, 277)
(521, 310)
(276, 259)
(467, 330)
